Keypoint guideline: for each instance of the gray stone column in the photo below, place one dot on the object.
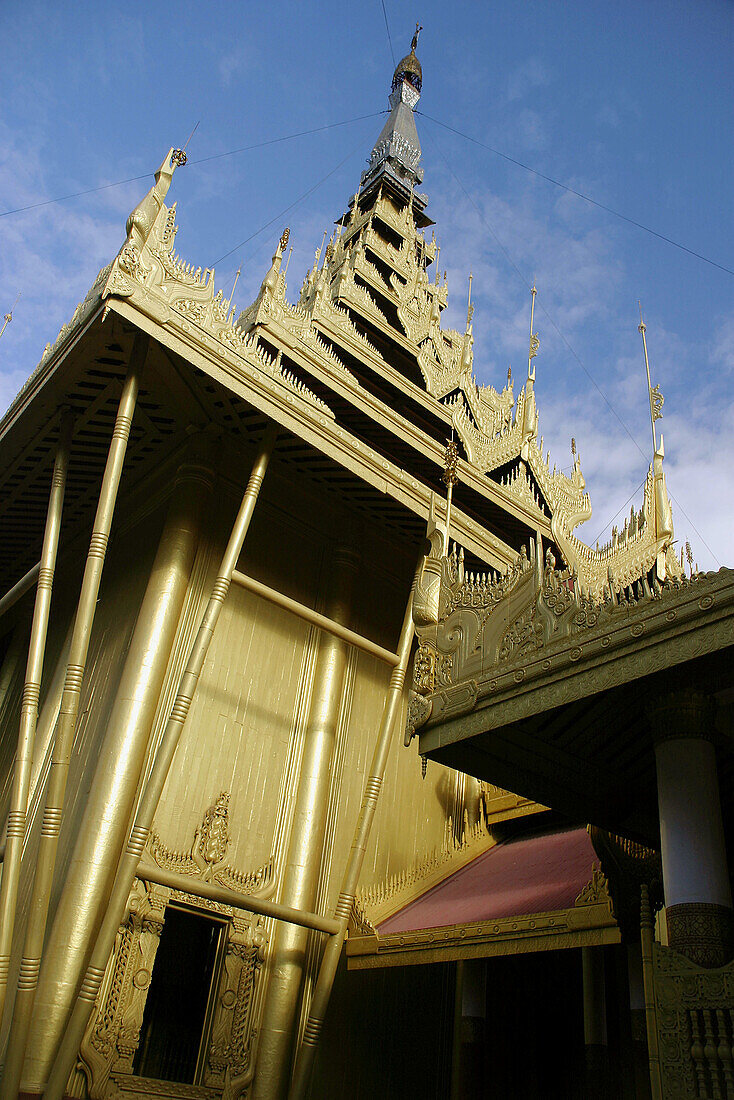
(696, 881)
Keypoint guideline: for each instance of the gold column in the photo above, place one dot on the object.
(647, 938)
(333, 949)
(65, 728)
(138, 834)
(103, 829)
(306, 843)
(9, 669)
(29, 706)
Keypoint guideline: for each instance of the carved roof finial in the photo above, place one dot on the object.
(410, 67)
(653, 392)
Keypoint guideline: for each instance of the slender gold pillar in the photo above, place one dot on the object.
(333, 949)
(65, 728)
(138, 834)
(19, 589)
(306, 843)
(103, 829)
(29, 705)
(12, 662)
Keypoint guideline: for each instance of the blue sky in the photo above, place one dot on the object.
(629, 102)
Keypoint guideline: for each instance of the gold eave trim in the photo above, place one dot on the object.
(37, 381)
(298, 416)
(659, 635)
(424, 444)
(581, 926)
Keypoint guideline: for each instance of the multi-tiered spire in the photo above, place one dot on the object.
(397, 151)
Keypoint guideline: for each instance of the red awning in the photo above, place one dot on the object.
(535, 875)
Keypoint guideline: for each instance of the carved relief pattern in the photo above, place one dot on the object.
(206, 857)
(695, 1025)
(111, 1040)
(230, 1048)
(494, 428)
(524, 636)
(488, 620)
(109, 1046)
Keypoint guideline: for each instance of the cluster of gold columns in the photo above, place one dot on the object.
(111, 797)
(16, 822)
(303, 862)
(137, 836)
(65, 729)
(370, 796)
(53, 1003)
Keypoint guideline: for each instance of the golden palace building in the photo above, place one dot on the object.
(292, 604)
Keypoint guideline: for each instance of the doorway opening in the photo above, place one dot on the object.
(174, 1035)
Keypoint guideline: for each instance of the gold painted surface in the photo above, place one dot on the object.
(236, 736)
(116, 774)
(128, 565)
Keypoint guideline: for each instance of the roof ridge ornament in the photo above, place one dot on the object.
(654, 395)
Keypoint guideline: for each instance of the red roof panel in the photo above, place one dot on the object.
(535, 875)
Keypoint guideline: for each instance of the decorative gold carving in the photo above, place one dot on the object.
(376, 903)
(693, 1026)
(206, 856)
(488, 621)
(112, 1037)
(596, 891)
(524, 636)
(702, 932)
(109, 1046)
(419, 711)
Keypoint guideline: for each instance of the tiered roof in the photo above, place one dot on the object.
(363, 361)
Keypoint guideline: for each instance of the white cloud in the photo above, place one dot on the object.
(527, 78)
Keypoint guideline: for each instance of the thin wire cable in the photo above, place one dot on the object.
(290, 207)
(547, 315)
(578, 194)
(75, 195)
(630, 498)
(591, 378)
(389, 37)
(703, 540)
(201, 160)
(287, 137)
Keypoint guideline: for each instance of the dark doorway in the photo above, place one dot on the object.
(175, 1021)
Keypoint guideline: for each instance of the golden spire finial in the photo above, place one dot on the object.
(414, 41)
(469, 306)
(234, 286)
(534, 338)
(9, 314)
(653, 392)
(450, 478)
